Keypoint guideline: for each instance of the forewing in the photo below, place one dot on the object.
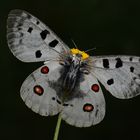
(119, 74)
(30, 40)
(87, 110)
(37, 93)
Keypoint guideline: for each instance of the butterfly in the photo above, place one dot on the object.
(68, 81)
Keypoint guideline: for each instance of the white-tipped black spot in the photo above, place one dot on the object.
(44, 33)
(119, 63)
(30, 29)
(110, 82)
(105, 63)
(53, 43)
(132, 69)
(38, 54)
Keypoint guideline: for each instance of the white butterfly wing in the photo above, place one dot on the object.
(37, 93)
(30, 40)
(87, 110)
(119, 74)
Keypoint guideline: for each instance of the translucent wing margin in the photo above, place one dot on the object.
(30, 40)
(119, 74)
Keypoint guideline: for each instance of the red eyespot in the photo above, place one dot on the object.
(95, 87)
(88, 107)
(38, 90)
(44, 70)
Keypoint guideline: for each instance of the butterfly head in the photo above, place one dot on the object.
(81, 54)
(76, 58)
(75, 61)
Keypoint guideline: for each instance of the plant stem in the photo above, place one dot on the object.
(57, 128)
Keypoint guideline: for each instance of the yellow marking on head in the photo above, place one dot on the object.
(76, 51)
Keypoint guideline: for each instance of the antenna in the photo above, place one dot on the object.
(90, 49)
(74, 43)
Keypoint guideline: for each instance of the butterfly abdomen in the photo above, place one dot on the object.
(67, 86)
(71, 80)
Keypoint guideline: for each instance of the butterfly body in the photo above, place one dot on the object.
(72, 74)
(67, 83)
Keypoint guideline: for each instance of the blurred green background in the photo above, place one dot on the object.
(112, 26)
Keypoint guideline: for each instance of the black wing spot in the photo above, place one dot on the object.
(105, 63)
(131, 58)
(119, 63)
(44, 33)
(38, 54)
(134, 78)
(19, 28)
(58, 102)
(132, 69)
(37, 22)
(110, 82)
(30, 29)
(53, 43)
(53, 98)
(65, 104)
(96, 113)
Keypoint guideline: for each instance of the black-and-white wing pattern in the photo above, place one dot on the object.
(119, 74)
(89, 109)
(67, 83)
(37, 93)
(30, 40)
